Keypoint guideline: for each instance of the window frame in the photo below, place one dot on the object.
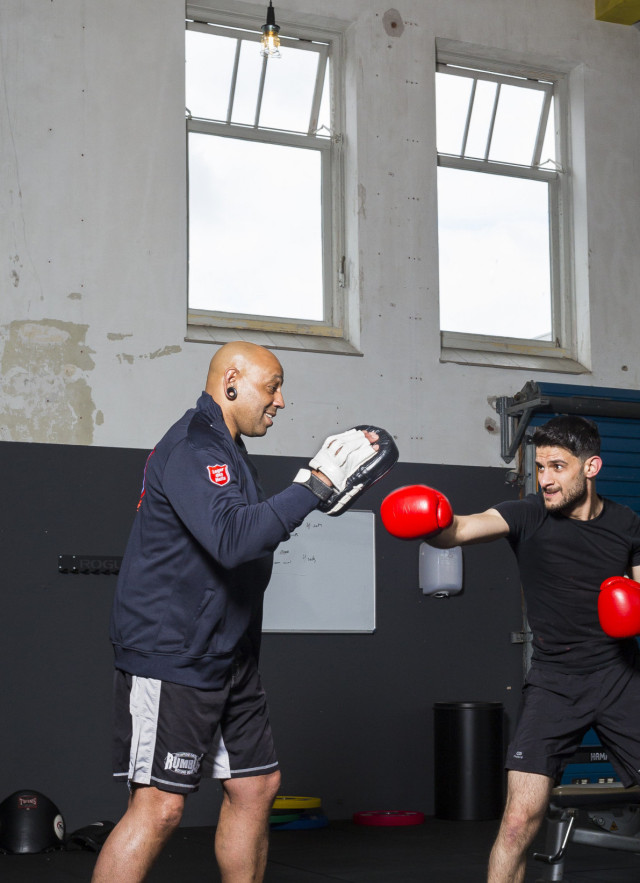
(331, 334)
(562, 352)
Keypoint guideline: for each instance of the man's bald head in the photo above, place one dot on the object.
(241, 355)
(245, 380)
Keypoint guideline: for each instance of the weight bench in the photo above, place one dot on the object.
(562, 816)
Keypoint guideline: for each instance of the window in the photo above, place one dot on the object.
(264, 165)
(503, 214)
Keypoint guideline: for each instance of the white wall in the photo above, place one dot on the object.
(93, 244)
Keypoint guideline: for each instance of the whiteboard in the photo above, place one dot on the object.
(324, 577)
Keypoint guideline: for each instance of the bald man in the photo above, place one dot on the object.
(187, 619)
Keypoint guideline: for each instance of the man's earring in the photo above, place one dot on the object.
(231, 392)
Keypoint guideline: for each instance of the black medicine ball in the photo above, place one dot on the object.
(30, 822)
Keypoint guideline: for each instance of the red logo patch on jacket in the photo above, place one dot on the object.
(219, 474)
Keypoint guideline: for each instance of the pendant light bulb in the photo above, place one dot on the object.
(270, 35)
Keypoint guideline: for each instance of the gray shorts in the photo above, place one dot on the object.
(170, 736)
(559, 708)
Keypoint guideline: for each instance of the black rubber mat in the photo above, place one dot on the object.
(436, 852)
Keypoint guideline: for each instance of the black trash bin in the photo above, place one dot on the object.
(469, 760)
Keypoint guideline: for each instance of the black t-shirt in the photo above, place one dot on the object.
(562, 563)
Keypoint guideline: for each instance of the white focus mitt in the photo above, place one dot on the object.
(352, 464)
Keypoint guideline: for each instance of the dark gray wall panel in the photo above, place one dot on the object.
(352, 714)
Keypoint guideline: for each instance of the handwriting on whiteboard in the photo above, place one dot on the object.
(298, 551)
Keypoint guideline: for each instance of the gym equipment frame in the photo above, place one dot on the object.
(562, 825)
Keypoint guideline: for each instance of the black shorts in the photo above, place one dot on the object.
(559, 708)
(170, 736)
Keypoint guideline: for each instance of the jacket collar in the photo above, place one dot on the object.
(213, 412)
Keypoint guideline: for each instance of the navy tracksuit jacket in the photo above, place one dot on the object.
(200, 555)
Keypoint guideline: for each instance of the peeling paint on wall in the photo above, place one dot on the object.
(362, 200)
(44, 393)
(166, 351)
(156, 354)
(14, 275)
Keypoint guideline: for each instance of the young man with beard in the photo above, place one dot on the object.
(567, 540)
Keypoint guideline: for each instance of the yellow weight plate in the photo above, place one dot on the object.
(285, 802)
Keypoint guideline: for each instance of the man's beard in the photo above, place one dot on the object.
(574, 494)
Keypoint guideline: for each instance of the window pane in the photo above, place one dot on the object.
(549, 144)
(481, 119)
(288, 91)
(494, 255)
(452, 104)
(208, 74)
(247, 82)
(516, 125)
(324, 116)
(255, 235)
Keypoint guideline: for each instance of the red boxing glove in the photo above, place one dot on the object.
(619, 607)
(415, 511)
